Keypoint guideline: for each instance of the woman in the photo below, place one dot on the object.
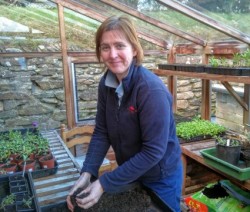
(134, 116)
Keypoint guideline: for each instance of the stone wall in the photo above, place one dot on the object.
(229, 112)
(33, 90)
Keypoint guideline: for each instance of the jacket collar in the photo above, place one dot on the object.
(127, 82)
(111, 80)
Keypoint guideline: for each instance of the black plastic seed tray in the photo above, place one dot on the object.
(38, 173)
(21, 190)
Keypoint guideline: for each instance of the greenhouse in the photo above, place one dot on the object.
(62, 98)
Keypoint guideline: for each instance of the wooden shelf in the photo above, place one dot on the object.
(192, 150)
(222, 78)
(207, 89)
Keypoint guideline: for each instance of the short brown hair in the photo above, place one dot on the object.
(125, 25)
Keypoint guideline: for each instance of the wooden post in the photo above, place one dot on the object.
(172, 81)
(246, 114)
(67, 76)
(206, 99)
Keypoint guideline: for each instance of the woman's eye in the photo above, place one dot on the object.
(105, 48)
(120, 46)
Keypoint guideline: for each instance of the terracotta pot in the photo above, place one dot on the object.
(30, 165)
(32, 156)
(18, 159)
(13, 157)
(45, 154)
(10, 168)
(47, 162)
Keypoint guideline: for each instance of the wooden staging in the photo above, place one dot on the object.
(191, 151)
(55, 188)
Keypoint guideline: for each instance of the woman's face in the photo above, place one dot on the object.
(116, 53)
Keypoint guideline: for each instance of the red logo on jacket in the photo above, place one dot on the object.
(132, 109)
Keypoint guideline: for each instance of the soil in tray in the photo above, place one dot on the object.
(133, 201)
(4, 189)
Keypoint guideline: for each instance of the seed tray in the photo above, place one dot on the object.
(38, 172)
(190, 68)
(167, 66)
(44, 172)
(240, 172)
(10, 182)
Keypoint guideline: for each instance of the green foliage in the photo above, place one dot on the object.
(4, 153)
(42, 146)
(224, 141)
(24, 145)
(27, 202)
(238, 60)
(242, 59)
(8, 200)
(198, 127)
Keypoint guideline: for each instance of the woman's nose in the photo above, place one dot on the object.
(113, 52)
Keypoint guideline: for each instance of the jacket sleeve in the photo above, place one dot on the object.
(99, 143)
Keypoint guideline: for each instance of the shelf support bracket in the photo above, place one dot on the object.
(235, 95)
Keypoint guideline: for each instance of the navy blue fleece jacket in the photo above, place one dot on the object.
(141, 131)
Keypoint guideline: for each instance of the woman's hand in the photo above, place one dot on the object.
(82, 183)
(94, 191)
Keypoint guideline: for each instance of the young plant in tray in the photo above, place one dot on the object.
(198, 128)
(7, 201)
(26, 204)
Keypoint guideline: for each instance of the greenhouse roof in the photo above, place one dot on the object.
(35, 26)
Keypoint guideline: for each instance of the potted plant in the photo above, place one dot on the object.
(27, 163)
(5, 162)
(228, 149)
(42, 147)
(47, 161)
(238, 65)
(14, 141)
(9, 168)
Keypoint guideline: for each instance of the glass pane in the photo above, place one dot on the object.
(29, 26)
(233, 13)
(142, 26)
(86, 78)
(31, 91)
(80, 31)
(177, 20)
